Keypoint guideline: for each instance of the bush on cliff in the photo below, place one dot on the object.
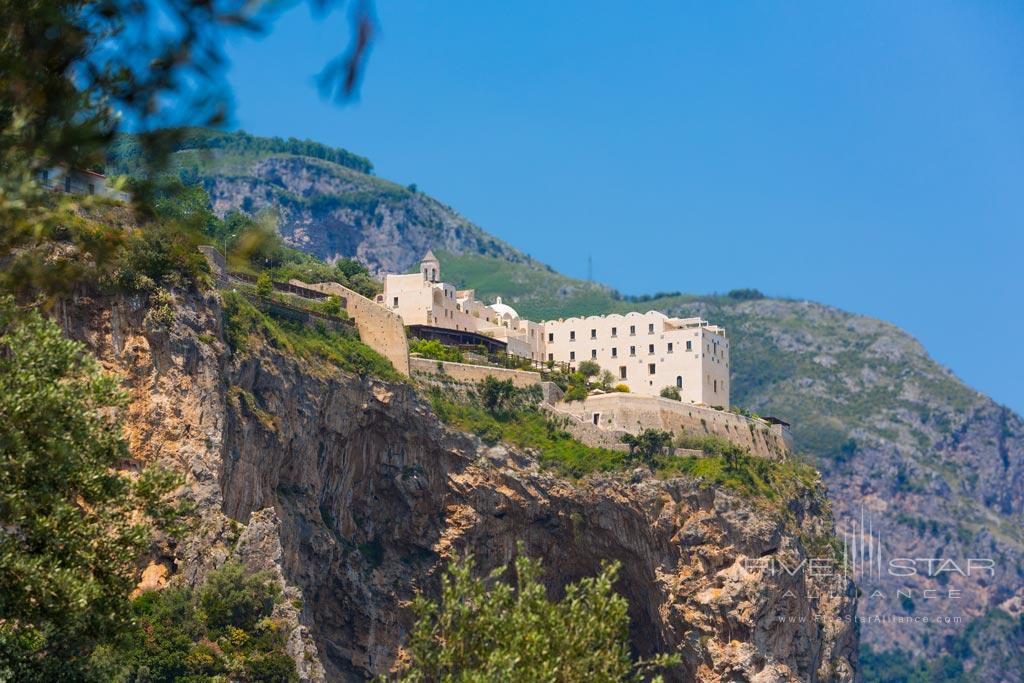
(245, 327)
(522, 424)
(222, 630)
(484, 629)
(74, 522)
(648, 445)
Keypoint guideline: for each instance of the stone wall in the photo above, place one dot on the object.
(379, 328)
(633, 413)
(464, 372)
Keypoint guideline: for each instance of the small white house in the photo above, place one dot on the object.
(76, 181)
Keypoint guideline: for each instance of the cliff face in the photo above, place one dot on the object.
(356, 495)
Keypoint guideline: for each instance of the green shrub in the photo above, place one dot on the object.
(622, 388)
(495, 394)
(775, 482)
(331, 306)
(524, 425)
(221, 629)
(745, 294)
(264, 285)
(483, 629)
(431, 348)
(576, 392)
(246, 327)
(672, 393)
(588, 369)
(647, 445)
(232, 596)
(158, 254)
(74, 522)
(161, 309)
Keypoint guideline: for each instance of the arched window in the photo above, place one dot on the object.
(433, 274)
(679, 381)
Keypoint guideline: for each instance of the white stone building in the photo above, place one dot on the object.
(648, 352)
(422, 299)
(645, 351)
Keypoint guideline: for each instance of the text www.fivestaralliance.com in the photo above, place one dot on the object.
(880, 619)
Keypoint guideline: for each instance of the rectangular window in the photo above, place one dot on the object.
(572, 335)
(622, 372)
(650, 328)
(632, 350)
(551, 336)
(650, 368)
(593, 354)
(716, 386)
(551, 357)
(593, 334)
(597, 417)
(670, 347)
(632, 330)
(615, 352)
(650, 349)
(572, 355)
(396, 302)
(689, 346)
(615, 332)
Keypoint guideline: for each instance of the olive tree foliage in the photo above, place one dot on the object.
(496, 394)
(72, 524)
(74, 72)
(484, 629)
(647, 445)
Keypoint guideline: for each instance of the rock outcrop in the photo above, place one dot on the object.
(354, 494)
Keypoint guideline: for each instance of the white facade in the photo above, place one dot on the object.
(648, 352)
(645, 351)
(423, 299)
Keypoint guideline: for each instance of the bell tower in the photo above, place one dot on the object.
(430, 267)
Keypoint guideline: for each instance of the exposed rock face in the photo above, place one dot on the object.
(332, 211)
(355, 495)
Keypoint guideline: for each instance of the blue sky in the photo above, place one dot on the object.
(868, 155)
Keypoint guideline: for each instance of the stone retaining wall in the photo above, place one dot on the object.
(379, 328)
(464, 372)
(633, 413)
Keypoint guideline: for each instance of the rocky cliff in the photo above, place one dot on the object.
(353, 492)
(936, 466)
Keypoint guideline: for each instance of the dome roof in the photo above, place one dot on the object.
(503, 309)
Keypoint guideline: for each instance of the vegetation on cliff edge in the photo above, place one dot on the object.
(484, 629)
(74, 519)
(518, 420)
(246, 327)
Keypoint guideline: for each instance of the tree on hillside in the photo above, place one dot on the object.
(647, 445)
(496, 394)
(72, 525)
(484, 629)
